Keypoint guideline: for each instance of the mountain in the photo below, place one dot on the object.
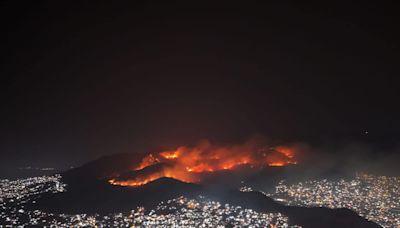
(89, 192)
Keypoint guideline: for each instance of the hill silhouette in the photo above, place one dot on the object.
(89, 192)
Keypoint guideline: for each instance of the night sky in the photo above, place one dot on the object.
(83, 80)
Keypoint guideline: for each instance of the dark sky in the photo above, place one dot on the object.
(87, 79)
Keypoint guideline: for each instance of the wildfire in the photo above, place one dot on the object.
(189, 163)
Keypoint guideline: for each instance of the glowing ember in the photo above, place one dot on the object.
(188, 163)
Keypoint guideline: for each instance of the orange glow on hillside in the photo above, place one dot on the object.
(188, 163)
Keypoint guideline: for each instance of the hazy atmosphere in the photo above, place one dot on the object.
(134, 98)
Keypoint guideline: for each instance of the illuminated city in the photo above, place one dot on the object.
(179, 212)
(376, 198)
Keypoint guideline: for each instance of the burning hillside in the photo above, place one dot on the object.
(188, 164)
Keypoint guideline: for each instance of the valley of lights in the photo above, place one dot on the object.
(179, 212)
(376, 198)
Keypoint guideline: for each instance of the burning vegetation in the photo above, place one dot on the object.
(188, 164)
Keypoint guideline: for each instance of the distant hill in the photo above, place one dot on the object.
(104, 167)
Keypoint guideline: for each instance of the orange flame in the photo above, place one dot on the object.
(187, 163)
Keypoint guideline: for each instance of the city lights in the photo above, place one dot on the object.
(376, 198)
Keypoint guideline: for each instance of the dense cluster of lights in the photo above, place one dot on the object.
(199, 212)
(15, 194)
(376, 198)
(179, 212)
(205, 213)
